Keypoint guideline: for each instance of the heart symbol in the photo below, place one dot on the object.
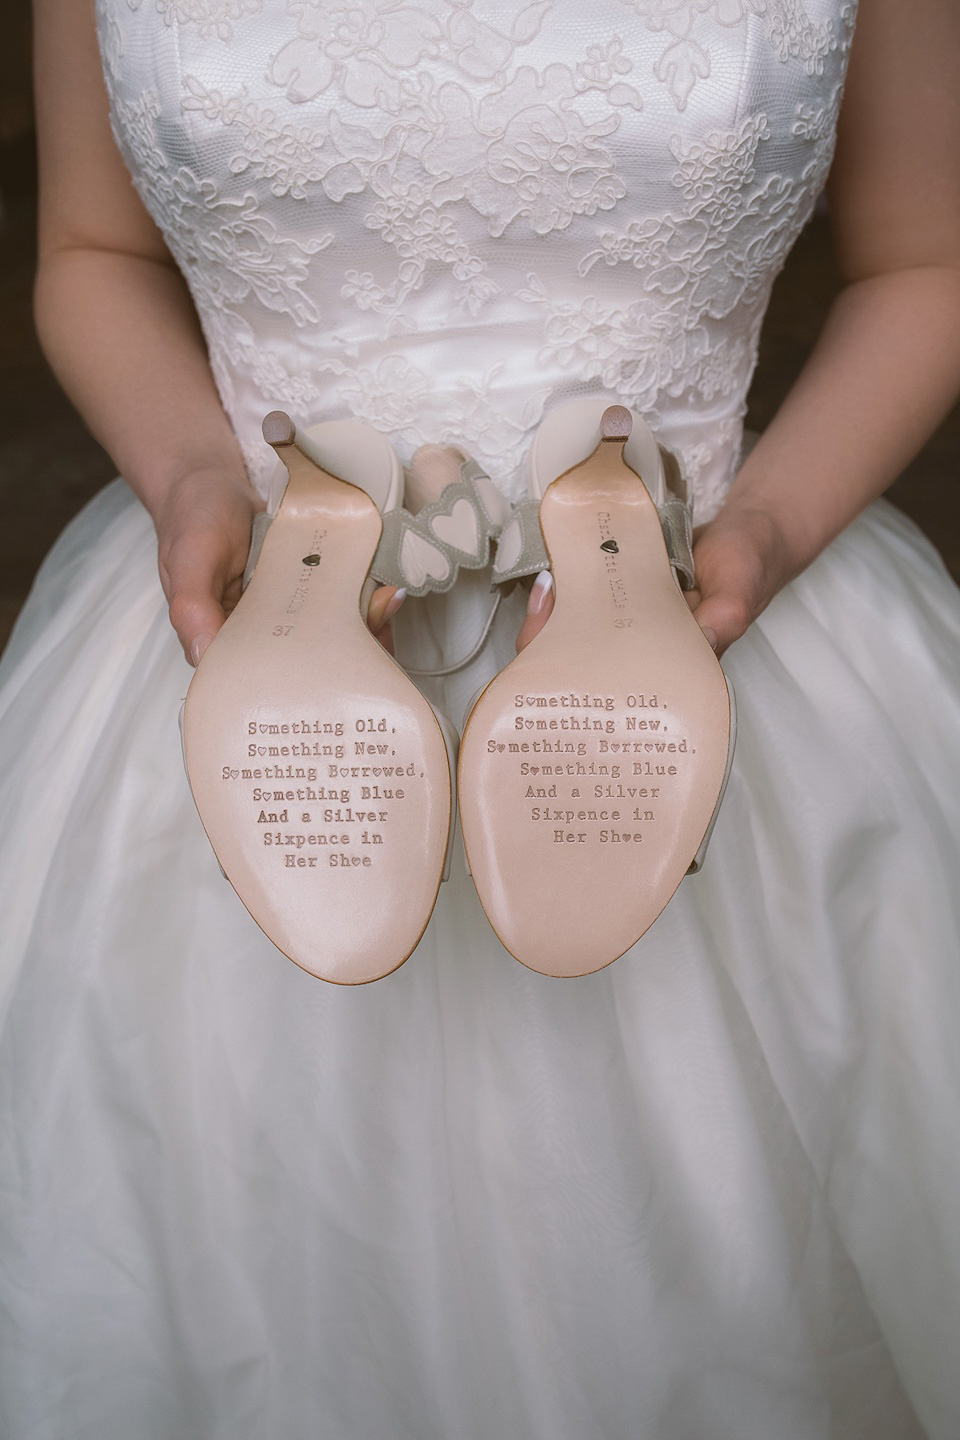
(459, 528)
(234, 774)
(420, 561)
(500, 749)
(611, 547)
(261, 749)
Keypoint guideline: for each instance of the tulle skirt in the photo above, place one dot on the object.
(710, 1193)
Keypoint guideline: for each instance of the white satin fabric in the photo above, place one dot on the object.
(709, 1193)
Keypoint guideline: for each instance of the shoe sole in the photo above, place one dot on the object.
(319, 770)
(591, 765)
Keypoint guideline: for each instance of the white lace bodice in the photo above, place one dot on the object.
(436, 215)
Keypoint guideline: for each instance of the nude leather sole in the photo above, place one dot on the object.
(591, 765)
(319, 770)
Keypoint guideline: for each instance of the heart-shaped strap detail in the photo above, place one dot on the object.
(426, 551)
(460, 529)
(421, 561)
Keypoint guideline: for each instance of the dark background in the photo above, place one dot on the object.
(49, 465)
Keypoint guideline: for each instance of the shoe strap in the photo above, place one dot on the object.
(521, 550)
(676, 522)
(258, 533)
(427, 551)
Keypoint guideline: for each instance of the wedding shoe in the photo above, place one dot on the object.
(592, 767)
(324, 779)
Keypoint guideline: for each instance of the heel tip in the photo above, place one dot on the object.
(278, 428)
(616, 423)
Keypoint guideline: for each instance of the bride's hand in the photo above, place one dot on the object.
(203, 532)
(741, 560)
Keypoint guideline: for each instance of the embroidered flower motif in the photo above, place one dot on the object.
(291, 157)
(712, 173)
(605, 62)
(602, 69)
(211, 17)
(227, 248)
(525, 153)
(368, 47)
(546, 163)
(421, 233)
(639, 350)
(686, 58)
(705, 252)
(794, 35)
(483, 50)
(716, 257)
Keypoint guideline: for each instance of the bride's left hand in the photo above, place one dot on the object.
(740, 559)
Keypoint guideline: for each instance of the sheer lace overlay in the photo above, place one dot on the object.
(330, 179)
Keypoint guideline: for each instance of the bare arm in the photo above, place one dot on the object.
(886, 367)
(118, 326)
(119, 329)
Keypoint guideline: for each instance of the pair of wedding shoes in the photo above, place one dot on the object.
(591, 768)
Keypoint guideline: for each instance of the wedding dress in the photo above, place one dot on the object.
(710, 1193)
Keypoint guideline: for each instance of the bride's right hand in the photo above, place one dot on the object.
(203, 537)
(203, 533)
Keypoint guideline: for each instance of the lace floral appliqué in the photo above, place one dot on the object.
(438, 214)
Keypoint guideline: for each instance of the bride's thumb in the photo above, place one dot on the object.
(723, 618)
(196, 616)
(539, 609)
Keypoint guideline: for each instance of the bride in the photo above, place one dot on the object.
(710, 1192)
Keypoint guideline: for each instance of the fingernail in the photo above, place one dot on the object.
(539, 591)
(711, 636)
(394, 603)
(199, 645)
